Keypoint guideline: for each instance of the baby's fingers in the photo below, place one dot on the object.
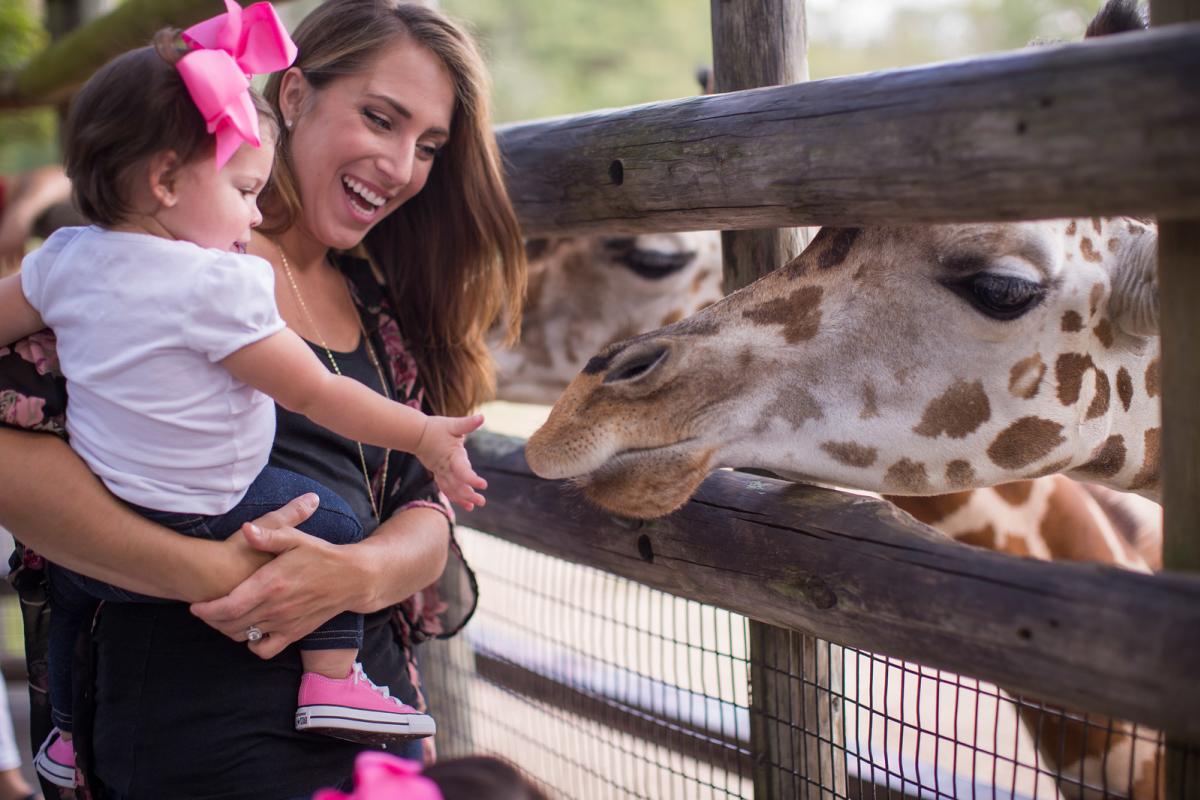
(461, 470)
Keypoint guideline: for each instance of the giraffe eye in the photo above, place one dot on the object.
(1003, 297)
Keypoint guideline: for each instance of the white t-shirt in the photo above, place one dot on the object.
(142, 323)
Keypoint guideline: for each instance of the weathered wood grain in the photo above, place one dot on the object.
(1109, 126)
(858, 572)
(1179, 293)
(763, 43)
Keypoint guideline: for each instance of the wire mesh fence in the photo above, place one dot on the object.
(601, 687)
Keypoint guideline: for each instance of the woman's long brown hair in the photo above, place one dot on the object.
(452, 255)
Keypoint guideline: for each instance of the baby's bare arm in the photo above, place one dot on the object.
(284, 367)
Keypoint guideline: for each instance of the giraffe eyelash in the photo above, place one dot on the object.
(1001, 297)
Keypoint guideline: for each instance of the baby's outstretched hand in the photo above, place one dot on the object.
(443, 451)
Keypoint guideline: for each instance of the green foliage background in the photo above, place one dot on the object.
(26, 137)
(551, 57)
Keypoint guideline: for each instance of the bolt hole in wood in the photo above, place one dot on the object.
(644, 548)
(1021, 126)
(1025, 633)
(616, 172)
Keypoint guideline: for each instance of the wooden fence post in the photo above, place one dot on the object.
(795, 680)
(1179, 296)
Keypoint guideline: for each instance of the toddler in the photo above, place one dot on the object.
(173, 347)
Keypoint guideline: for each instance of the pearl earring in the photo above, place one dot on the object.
(287, 123)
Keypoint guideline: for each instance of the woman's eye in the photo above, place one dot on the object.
(378, 120)
(1003, 297)
(428, 150)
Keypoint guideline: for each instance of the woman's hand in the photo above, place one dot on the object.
(306, 583)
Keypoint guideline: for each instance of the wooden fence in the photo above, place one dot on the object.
(1096, 128)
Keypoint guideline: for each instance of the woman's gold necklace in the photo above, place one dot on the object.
(312, 324)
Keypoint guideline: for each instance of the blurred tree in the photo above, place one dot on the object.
(26, 137)
(564, 56)
(552, 57)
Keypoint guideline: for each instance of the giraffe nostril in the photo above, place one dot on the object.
(636, 365)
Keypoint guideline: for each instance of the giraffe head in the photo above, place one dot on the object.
(585, 293)
(906, 360)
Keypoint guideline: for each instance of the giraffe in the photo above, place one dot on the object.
(587, 292)
(583, 295)
(908, 361)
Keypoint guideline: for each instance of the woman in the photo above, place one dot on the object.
(386, 150)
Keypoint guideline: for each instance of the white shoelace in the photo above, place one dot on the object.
(361, 677)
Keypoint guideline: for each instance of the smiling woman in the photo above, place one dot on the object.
(385, 168)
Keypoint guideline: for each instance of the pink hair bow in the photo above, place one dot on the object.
(226, 51)
(381, 776)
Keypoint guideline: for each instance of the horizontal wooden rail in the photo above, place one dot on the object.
(1109, 126)
(859, 572)
(646, 724)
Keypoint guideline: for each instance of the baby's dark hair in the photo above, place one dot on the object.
(476, 777)
(134, 107)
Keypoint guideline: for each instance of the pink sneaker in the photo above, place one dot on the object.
(55, 760)
(354, 708)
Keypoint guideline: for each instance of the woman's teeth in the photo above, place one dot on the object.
(374, 200)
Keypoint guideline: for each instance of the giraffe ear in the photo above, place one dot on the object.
(1133, 305)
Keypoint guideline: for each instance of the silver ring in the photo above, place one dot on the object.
(253, 633)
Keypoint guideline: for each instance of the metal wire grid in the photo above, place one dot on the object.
(600, 687)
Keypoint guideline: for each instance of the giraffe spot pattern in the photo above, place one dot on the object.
(1089, 251)
(870, 408)
(1016, 493)
(700, 278)
(672, 317)
(985, 537)
(796, 405)
(1099, 406)
(960, 410)
(1148, 474)
(960, 474)
(1025, 377)
(934, 508)
(1097, 226)
(1152, 378)
(851, 454)
(1113, 244)
(1094, 298)
(1124, 388)
(1072, 322)
(1052, 468)
(1108, 459)
(836, 246)
(1068, 371)
(906, 476)
(1027, 440)
(1066, 511)
(799, 313)
(1071, 228)
(1104, 332)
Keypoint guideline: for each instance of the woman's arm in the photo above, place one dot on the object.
(18, 319)
(53, 503)
(310, 581)
(32, 194)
